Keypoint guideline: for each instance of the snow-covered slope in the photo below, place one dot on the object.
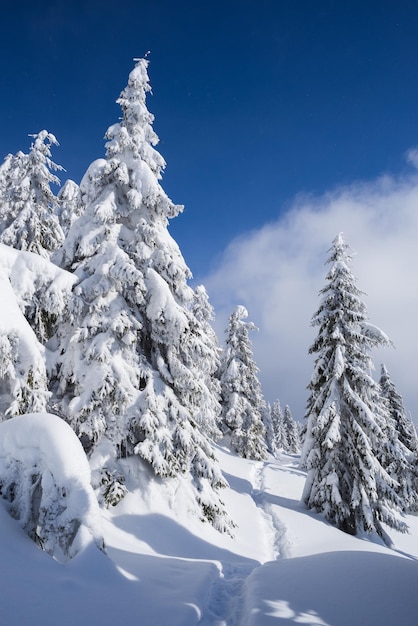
(166, 568)
(163, 566)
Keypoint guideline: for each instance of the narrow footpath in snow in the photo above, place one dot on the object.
(227, 598)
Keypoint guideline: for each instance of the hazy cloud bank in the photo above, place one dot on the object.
(278, 270)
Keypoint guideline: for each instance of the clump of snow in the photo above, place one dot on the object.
(31, 274)
(45, 479)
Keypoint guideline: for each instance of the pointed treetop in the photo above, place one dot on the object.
(240, 312)
(139, 59)
(339, 250)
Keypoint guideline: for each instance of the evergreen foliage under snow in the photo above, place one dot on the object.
(346, 450)
(243, 405)
(27, 204)
(136, 361)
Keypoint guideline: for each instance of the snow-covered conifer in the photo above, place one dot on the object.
(27, 203)
(403, 422)
(346, 416)
(204, 359)
(132, 370)
(280, 435)
(242, 400)
(269, 429)
(69, 205)
(401, 447)
(292, 432)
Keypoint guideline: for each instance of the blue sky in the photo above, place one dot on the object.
(255, 101)
(283, 122)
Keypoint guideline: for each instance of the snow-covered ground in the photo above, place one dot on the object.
(166, 568)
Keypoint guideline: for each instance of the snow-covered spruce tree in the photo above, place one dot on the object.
(69, 205)
(346, 415)
(27, 203)
(130, 375)
(5, 169)
(402, 437)
(403, 422)
(280, 435)
(241, 397)
(269, 429)
(292, 432)
(204, 356)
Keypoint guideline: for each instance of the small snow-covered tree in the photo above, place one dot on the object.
(292, 432)
(242, 400)
(69, 204)
(5, 182)
(346, 482)
(204, 359)
(280, 434)
(402, 453)
(27, 203)
(403, 422)
(132, 373)
(269, 429)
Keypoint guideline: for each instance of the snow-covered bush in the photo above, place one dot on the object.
(45, 482)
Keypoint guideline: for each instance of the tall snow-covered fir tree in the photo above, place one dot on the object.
(132, 371)
(242, 401)
(27, 203)
(346, 482)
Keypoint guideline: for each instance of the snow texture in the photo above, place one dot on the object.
(284, 566)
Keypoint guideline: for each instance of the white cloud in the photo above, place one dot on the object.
(277, 271)
(412, 157)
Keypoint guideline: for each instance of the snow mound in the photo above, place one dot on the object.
(45, 479)
(31, 274)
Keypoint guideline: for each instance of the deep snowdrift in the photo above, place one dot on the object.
(165, 568)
